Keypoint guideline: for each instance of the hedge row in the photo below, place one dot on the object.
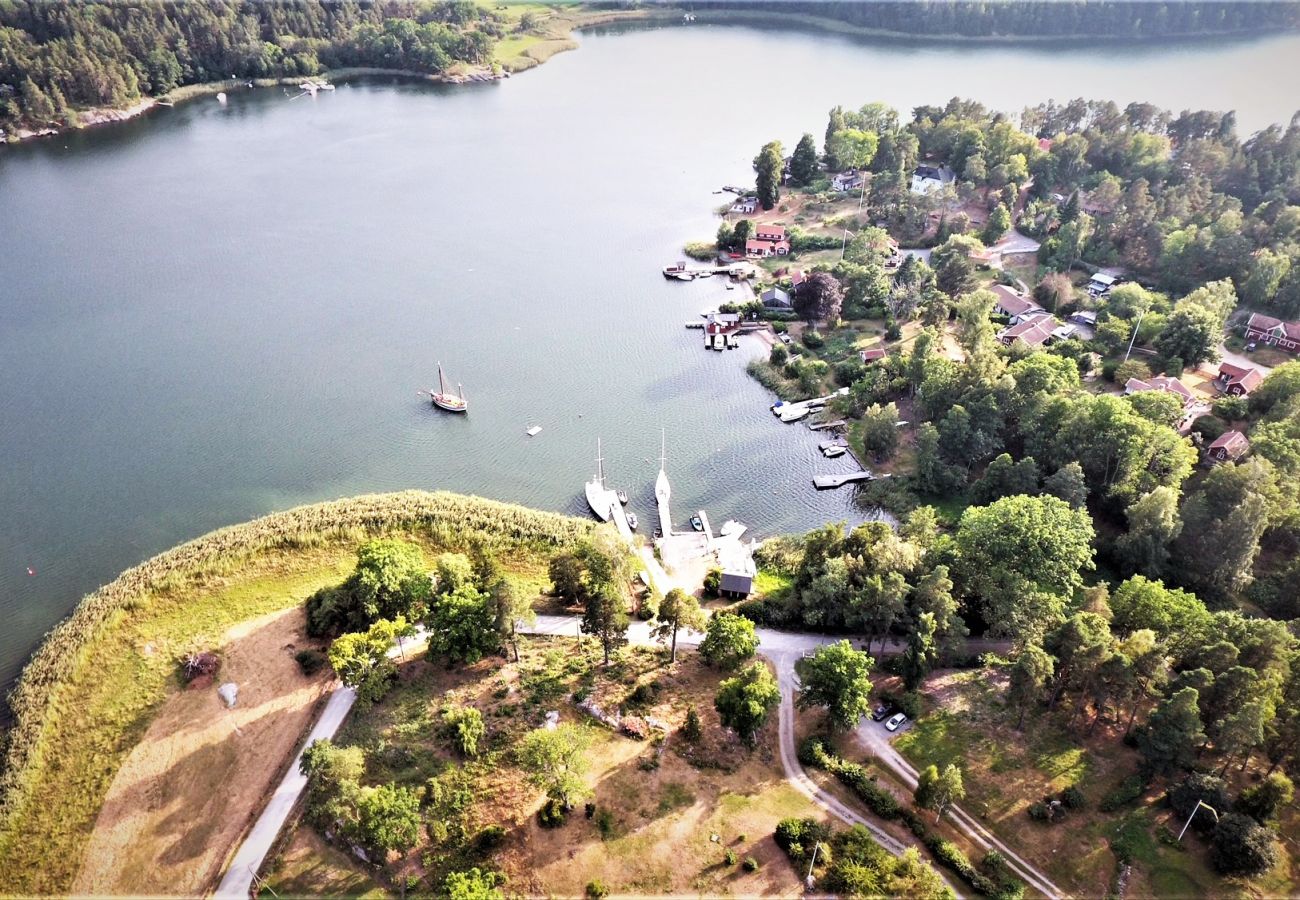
(854, 776)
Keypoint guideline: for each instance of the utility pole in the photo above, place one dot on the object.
(1136, 326)
(1195, 810)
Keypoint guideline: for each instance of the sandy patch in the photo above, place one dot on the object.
(201, 772)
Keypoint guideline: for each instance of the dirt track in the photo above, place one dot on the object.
(201, 772)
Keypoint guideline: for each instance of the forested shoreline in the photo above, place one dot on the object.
(1035, 18)
(59, 59)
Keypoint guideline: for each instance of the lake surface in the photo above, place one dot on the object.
(219, 311)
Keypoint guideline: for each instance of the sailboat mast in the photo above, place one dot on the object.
(663, 453)
(442, 388)
(600, 465)
(460, 391)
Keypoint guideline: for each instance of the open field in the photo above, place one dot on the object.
(89, 695)
(202, 772)
(656, 805)
(552, 30)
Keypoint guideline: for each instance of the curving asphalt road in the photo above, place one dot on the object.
(783, 648)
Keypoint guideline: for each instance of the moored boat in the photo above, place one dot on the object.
(444, 399)
(631, 521)
(600, 498)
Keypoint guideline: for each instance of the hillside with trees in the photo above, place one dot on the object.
(57, 59)
(1037, 18)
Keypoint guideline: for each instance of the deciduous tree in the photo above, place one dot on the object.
(837, 677)
(744, 701)
(677, 611)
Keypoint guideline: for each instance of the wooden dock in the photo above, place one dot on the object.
(826, 426)
(830, 482)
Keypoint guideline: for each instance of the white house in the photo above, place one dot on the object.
(927, 179)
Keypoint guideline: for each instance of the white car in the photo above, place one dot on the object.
(895, 721)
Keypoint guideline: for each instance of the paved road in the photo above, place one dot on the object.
(237, 883)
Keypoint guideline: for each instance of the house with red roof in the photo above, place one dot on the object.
(875, 354)
(1228, 447)
(768, 240)
(1033, 330)
(1013, 304)
(1237, 381)
(1274, 332)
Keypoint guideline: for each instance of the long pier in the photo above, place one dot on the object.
(829, 482)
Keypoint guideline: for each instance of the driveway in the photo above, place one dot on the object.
(879, 743)
(1238, 359)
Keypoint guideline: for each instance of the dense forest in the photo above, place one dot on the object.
(57, 58)
(1040, 18)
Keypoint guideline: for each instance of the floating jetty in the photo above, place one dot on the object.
(829, 482)
(826, 426)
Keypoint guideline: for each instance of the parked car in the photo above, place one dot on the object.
(881, 711)
(785, 338)
(896, 722)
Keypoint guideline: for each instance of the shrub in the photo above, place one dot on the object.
(1039, 811)
(1195, 788)
(196, 665)
(1072, 798)
(797, 837)
(712, 583)
(643, 695)
(1129, 790)
(552, 814)
(490, 838)
(730, 857)
(750, 864)
(463, 727)
(310, 661)
(596, 889)
(691, 730)
(1241, 846)
(779, 355)
(812, 340)
(779, 327)
(605, 824)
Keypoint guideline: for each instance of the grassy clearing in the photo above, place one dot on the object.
(1007, 770)
(655, 805)
(89, 693)
(552, 26)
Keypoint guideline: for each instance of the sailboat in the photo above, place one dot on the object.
(448, 401)
(600, 498)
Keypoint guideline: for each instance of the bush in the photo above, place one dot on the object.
(730, 858)
(1195, 788)
(1241, 846)
(1039, 811)
(196, 665)
(596, 889)
(1129, 789)
(605, 824)
(691, 729)
(490, 838)
(1072, 798)
(797, 837)
(779, 355)
(779, 327)
(552, 814)
(310, 661)
(643, 695)
(713, 583)
(812, 340)
(750, 864)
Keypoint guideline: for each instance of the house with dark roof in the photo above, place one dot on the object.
(1013, 304)
(775, 298)
(1274, 332)
(1228, 447)
(1237, 381)
(1033, 330)
(848, 181)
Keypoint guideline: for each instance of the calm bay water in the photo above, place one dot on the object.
(219, 311)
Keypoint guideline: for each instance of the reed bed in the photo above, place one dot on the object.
(59, 668)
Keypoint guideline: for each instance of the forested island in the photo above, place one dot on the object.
(58, 59)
